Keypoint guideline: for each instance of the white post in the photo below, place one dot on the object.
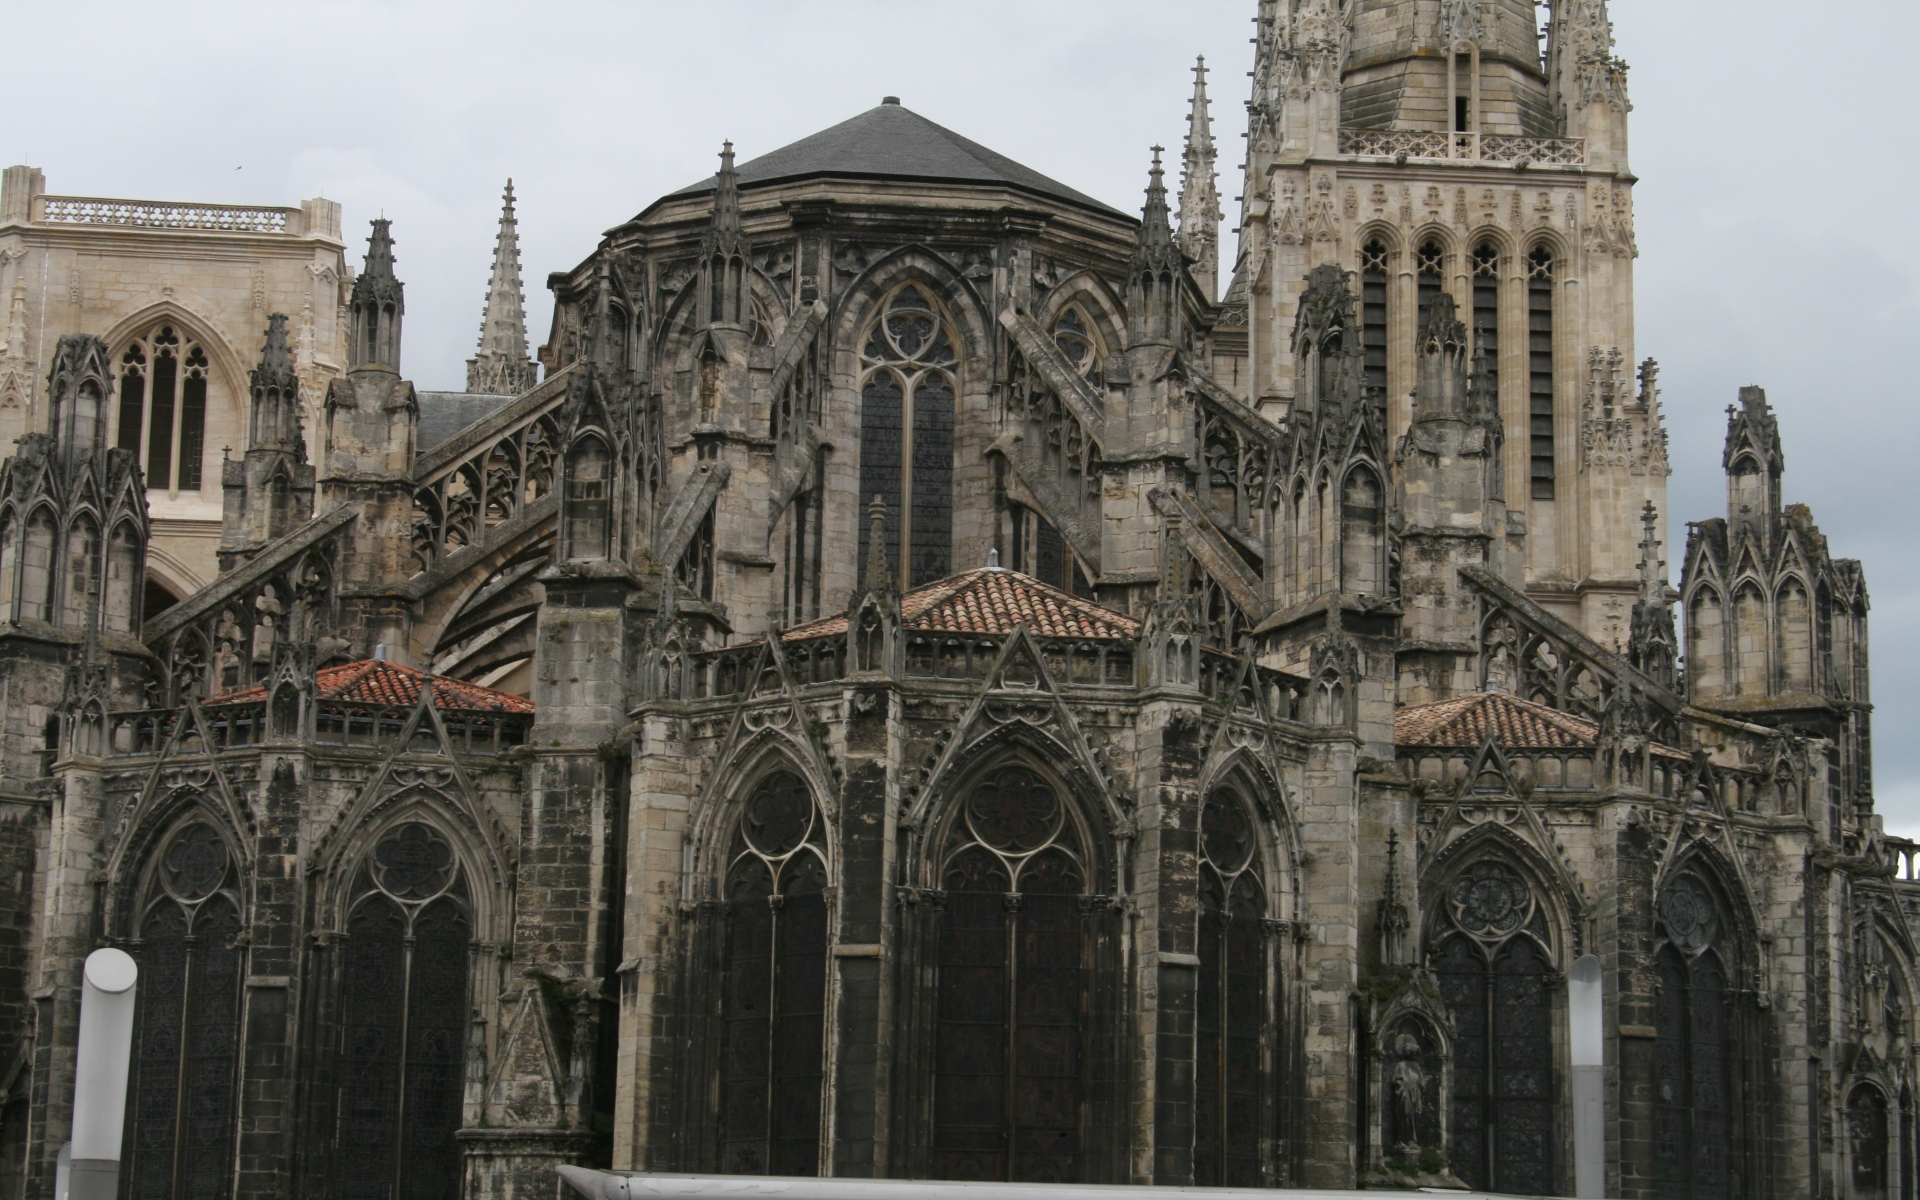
(100, 1074)
(1586, 1027)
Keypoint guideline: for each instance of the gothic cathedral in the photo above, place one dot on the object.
(930, 676)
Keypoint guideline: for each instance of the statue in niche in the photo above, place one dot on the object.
(1409, 1082)
(263, 631)
(226, 658)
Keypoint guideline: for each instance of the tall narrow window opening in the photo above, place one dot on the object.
(1491, 948)
(1373, 315)
(187, 1023)
(1007, 1063)
(83, 555)
(1540, 369)
(906, 434)
(1232, 1005)
(162, 414)
(1692, 1081)
(36, 568)
(1486, 317)
(403, 1019)
(775, 996)
(1430, 270)
(1867, 1142)
(589, 496)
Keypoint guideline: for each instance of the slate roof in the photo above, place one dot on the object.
(1516, 724)
(894, 142)
(375, 681)
(991, 600)
(443, 414)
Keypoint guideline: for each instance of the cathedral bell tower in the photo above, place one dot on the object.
(1431, 146)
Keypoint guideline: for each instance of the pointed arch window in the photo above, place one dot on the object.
(1490, 951)
(403, 1021)
(1430, 274)
(774, 1000)
(1363, 533)
(907, 401)
(1867, 1142)
(1373, 315)
(1009, 1045)
(1232, 999)
(1540, 370)
(1693, 1065)
(163, 407)
(187, 1022)
(36, 567)
(83, 555)
(589, 499)
(1486, 316)
(122, 598)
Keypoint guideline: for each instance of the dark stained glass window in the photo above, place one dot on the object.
(1232, 999)
(1692, 1147)
(774, 1001)
(404, 1005)
(1867, 1142)
(1493, 971)
(1008, 1054)
(906, 435)
(180, 1105)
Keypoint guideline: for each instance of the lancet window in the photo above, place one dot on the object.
(1231, 1003)
(1867, 1142)
(773, 1005)
(1540, 370)
(907, 401)
(589, 499)
(1373, 315)
(1009, 1054)
(187, 1022)
(1430, 273)
(1486, 317)
(1692, 1055)
(1490, 953)
(163, 407)
(403, 1021)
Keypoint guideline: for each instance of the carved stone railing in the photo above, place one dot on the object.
(155, 214)
(487, 474)
(1463, 147)
(347, 724)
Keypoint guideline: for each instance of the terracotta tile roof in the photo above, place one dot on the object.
(991, 600)
(1516, 724)
(375, 681)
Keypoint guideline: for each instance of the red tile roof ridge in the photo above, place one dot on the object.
(378, 681)
(1465, 722)
(990, 600)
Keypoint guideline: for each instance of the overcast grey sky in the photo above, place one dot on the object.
(1773, 140)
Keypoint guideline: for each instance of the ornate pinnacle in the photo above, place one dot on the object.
(879, 576)
(1653, 580)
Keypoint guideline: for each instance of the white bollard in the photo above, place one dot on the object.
(1586, 1020)
(100, 1074)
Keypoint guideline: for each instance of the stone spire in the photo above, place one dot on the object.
(1652, 646)
(276, 393)
(502, 367)
(1440, 387)
(1755, 461)
(1199, 191)
(724, 250)
(1153, 294)
(377, 305)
